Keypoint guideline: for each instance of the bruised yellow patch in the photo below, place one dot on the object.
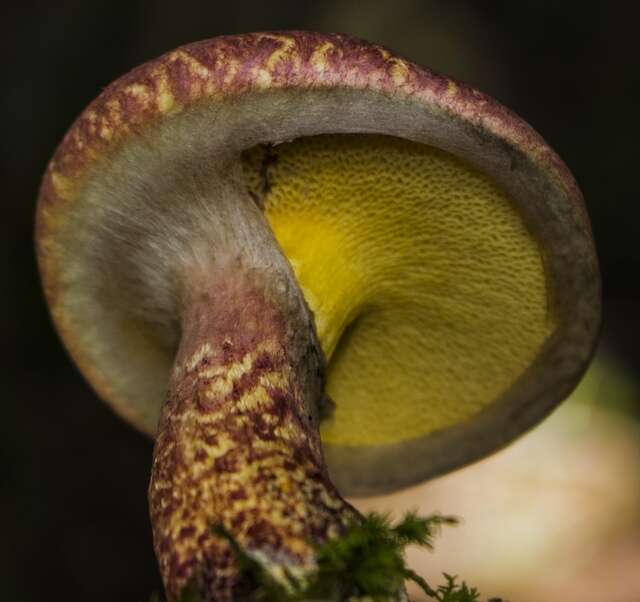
(287, 50)
(452, 89)
(196, 68)
(262, 78)
(165, 100)
(141, 93)
(106, 133)
(114, 110)
(203, 352)
(399, 72)
(319, 57)
(63, 187)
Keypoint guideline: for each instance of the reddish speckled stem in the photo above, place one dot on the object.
(238, 444)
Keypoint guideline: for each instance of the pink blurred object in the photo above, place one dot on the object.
(554, 518)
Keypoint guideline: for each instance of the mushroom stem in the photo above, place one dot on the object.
(238, 441)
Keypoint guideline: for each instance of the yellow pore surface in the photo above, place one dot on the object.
(428, 291)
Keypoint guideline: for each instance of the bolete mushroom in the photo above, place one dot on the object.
(226, 222)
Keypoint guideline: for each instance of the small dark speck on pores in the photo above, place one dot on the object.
(270, 158)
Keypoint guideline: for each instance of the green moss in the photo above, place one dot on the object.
(366, 563)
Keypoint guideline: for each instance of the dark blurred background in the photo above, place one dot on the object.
(73, 477)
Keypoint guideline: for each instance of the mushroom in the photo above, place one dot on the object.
(258, 242)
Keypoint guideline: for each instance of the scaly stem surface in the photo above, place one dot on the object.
(238, 443)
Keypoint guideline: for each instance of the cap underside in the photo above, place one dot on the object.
(455, 291)
(427, 289)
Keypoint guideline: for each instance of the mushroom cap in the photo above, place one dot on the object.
(443, 247)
